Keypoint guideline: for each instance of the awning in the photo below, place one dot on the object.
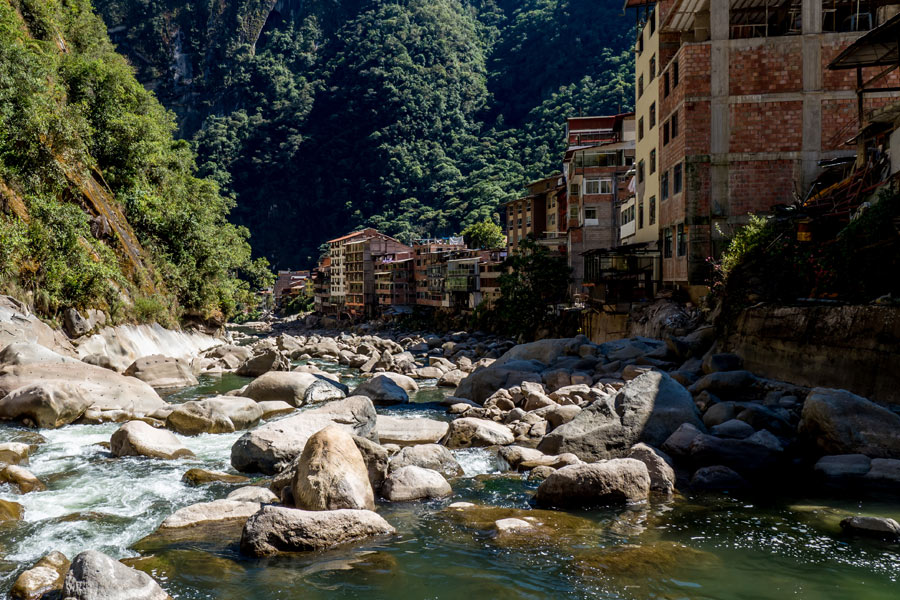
(879, 47)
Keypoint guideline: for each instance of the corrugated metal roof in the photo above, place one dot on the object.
(878, 48)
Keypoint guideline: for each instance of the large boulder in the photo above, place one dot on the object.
(616, 481)
(222, 414)
(162, 372)
(483, 382)
(207, 513)
(270, 448)
(278, 529)
(543, 351)
(839, 422)
(409, 432)
(137, 438)
(469, 432)
(415, 483)
(757, 454)
(18, 323)
(229, 356)
(51, 404)
(24, 353)
(874, 527)
(292, 387)
(408, 384)
(382, 390)
(659, 467)
(332, 474)
(14, 453)
(106, 390)
(428, 456)
(647, 409)
(269, 360)
(43, 580)
(24, 480)
(95, 576)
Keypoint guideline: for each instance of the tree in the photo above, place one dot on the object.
(484, 235)
(537, 282)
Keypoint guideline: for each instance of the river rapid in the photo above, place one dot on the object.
(694, 547)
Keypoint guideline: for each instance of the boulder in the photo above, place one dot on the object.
(196, 477)
(14, 453)
(43, 580)
(451, 378)
(647, 409)
(287, 387)
(332, 474)
(415, 483)
(274, 408)
(206, 513)
(406, 382)
(68, 386)
(841, 467)
(269, 360)
(229, 356)
(21, 478)
(679, 443)
(839, 422)
(543, 351)
(659, 467)
(725, 383)
(222, 414)
(11, 511)
(757, 454)
(271, 447)
(74, 323)
(252, 493)
(277, 529)
(137, 438)
(428, 456)
(409, 432)
(714, 363)
(162, 372)
(323, 390)
(616, 481)
(17, 323)
(469, 432)
(718, 478)
(95, 576)
(24, 353)
(376, 458)
(481, 383)
(733, 428)
(382, 391)
(874, 527)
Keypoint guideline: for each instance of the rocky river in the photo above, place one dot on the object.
(436, 467)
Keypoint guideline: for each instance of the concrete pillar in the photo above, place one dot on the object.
(719, 16)
(812, 16)
(812, 109)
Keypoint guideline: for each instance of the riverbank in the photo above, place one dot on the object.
(704, 480)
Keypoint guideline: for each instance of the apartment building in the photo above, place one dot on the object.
(360, 256)
(536, 214)
(747, 111)
(428, 255)
(600, 153)
(394, 280)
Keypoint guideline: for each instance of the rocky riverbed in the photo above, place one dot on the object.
(410, 466)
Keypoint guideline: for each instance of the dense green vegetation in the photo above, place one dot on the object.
(83, 143)
(485, 235)
(413, 116)
(845, 262)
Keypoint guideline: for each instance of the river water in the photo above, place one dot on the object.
(692, 547)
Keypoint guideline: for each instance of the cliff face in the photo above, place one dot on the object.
(856, 348)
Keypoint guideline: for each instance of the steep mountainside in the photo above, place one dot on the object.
(415, 116)
(99, 203)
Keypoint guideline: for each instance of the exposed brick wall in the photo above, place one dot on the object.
(838, 123)
(845, 79)
(757, 185)
(772, 68)
(766, 126)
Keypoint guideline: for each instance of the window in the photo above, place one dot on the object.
(598, 186)
(641, 128)
(573, 189)
(676, 179)
(682, 241)
(641, 85)
(666, 85)
(665, 133)
(652, 21)
(641, 172)
(590, 214)
(653, 115)
(641, 213)
(675, 74)
(653, 161)
(573, 211)
(652, 67)
(640, 44)
(667, 243)
(664, 185)
(674, 121)
(652, 210)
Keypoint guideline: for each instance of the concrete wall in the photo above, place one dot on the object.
(856, 348)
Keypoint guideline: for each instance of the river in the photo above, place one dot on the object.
(695, 547)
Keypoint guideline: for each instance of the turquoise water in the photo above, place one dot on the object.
(691, 547)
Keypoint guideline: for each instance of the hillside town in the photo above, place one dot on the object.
(740, 110)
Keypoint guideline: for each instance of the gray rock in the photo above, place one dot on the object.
(287, 387)
(725, 384)
(229, 356)
(137, 438)
(207, 513)
(659, 467)
(469, 432)
(43, 581)
(253, 493)
(679, 443)
(382, 391)
(95, 576)
(277, 529)
(75, 324)
(733, 428)
(714, 363)
(332, 474)
(843, 466)
(270, 360)
(415, 483)
(409, 432)
(428, 456)
(271, 447)
(616, 481)
(718, 478)
(50, 404)
(482, 383)
(874, 527)
(758, 453)
(838, 422)
(323, 390)
(649, 408)
(376, 458)
(222, 414)
(162, 372)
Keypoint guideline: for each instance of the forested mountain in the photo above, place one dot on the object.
(100, 205)
(414, 116)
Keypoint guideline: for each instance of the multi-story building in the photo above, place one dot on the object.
(337, 254)
(360, 255)
(747, 110)
(534, 214)
(287, 281)
(394, 281)
(322, 287)
(428, 254)
(600, 153)
(489, 270)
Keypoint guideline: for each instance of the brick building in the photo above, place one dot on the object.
(747, 110)
(360, 256)
(429, 254)
(394, 280)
